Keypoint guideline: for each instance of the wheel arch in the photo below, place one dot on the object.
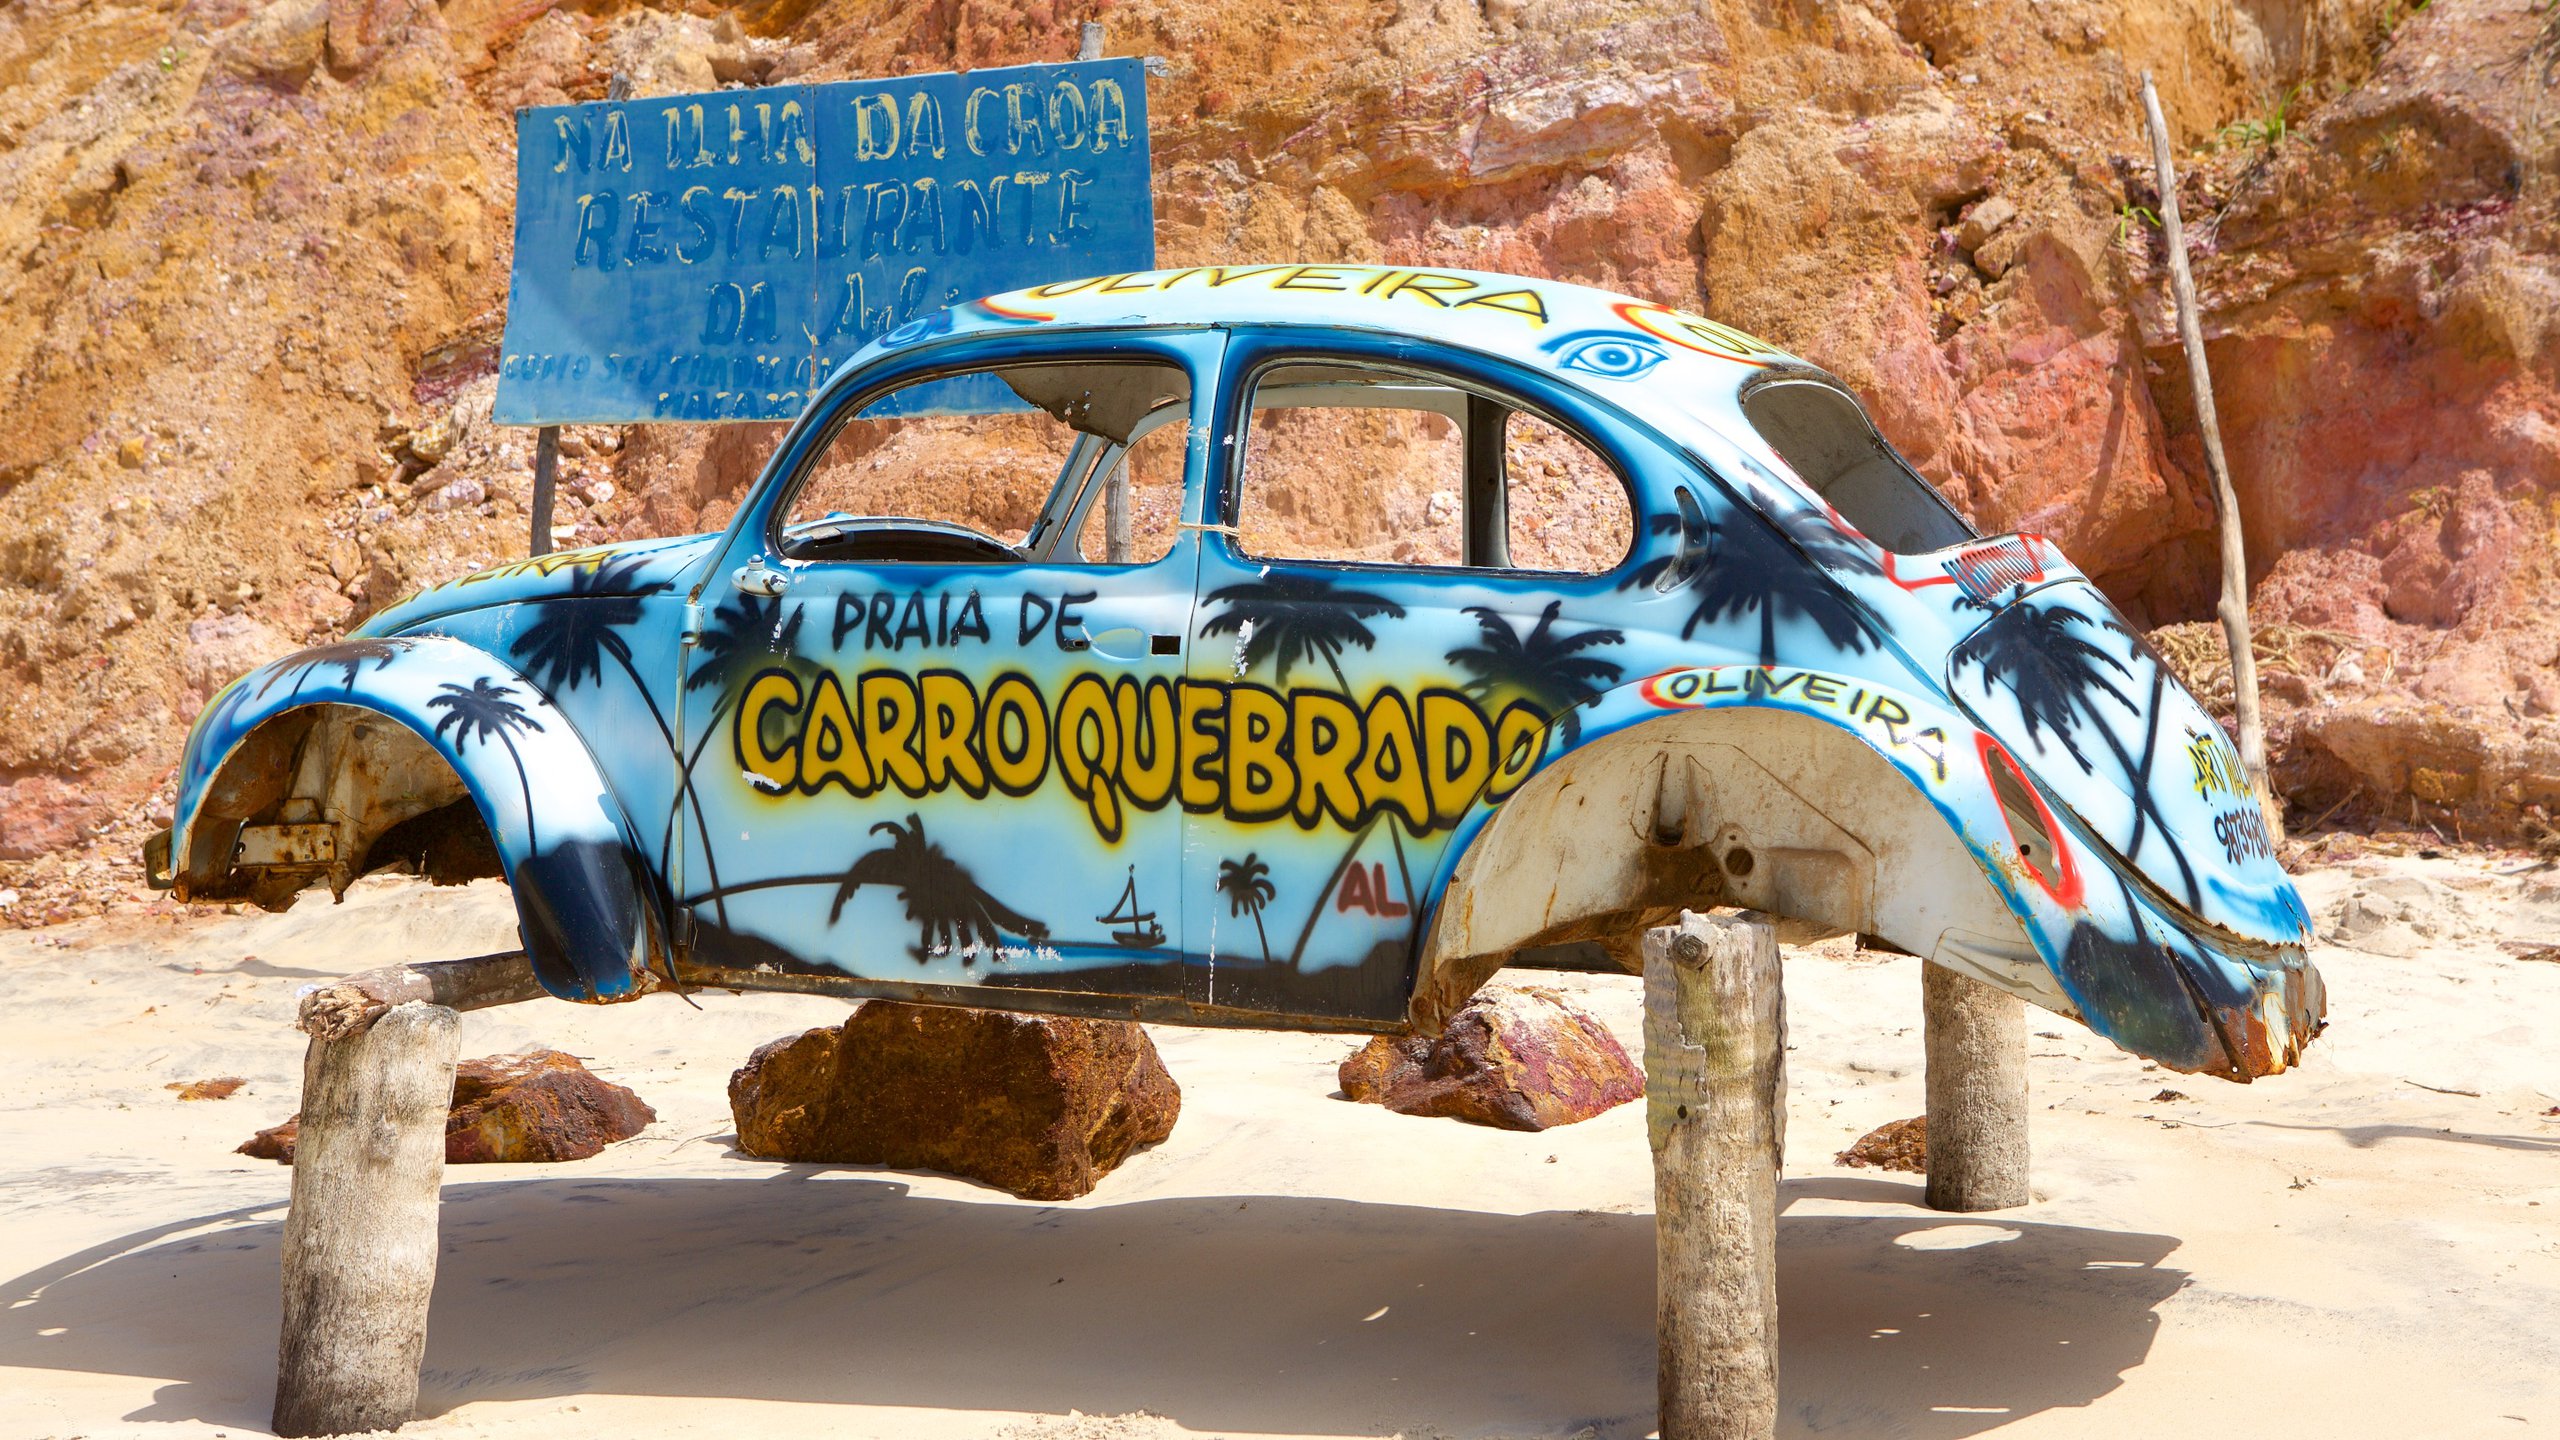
(304, 769)
(1792, 793)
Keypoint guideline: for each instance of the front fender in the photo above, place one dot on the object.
(588, 906)
(1875, 809)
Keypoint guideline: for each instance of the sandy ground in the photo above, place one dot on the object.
(2341, 1251)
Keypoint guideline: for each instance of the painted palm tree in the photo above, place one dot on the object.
(2053, 671)
(950, 909)
(1546, 668)
(1814, 532)
(743, 630)
(1247, 885)
(1819, 537)
(1750, 570)
(1289, 618)
(1651, 571)
(1293, 617)
(1744, 569)
(2056, 675)
(486, 710)
(348, 655)
(574, 632)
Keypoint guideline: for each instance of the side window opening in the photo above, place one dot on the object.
(1567, 508)
(1007, 463)
(1356, 464)
(1827, 440)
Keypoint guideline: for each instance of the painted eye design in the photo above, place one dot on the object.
(1607, 354)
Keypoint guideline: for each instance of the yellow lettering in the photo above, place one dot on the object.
(1202, 748)
(1312, 277)
(1519, 738)
(1389, 775)
(1064, 288)
(1517, 302)
(1324, 734)
(1259, 779)
(1089, 751)
(1148, 748)
(775, 766)
(1458, 750)
(889, 730)
(950, 722)
(969, 132)
(1017, 735)
(1424, 285)
(831, 745)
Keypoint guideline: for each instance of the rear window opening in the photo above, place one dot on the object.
(1826, 439)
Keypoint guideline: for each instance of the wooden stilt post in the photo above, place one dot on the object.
(360, 1241)
(1977, 1040)
(1715, 1109)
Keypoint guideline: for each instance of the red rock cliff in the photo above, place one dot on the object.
(253, 261)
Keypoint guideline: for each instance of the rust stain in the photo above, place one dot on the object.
(2270, 1040)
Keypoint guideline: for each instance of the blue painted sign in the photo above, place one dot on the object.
(715, 257)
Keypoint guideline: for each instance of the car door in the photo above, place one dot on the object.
(928, 718)
(1389, 633)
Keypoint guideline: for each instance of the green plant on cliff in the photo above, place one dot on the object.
(2263, 130)
(2395, 11)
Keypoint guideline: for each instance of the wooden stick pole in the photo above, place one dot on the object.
(2234, 607)
(360, 1240)
(346, 1007)
(1115, 514)
(1715, 1110)
(1977, 1041)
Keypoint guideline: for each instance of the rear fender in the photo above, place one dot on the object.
(1827, 800)
(314, 756)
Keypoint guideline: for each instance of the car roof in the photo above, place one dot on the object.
(1681, 373)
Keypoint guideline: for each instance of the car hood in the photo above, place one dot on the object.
(2062, 680)
(639, 567)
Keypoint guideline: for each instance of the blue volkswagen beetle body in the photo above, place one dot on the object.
(1648, 617)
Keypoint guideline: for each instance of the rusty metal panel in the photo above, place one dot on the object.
(286, 845)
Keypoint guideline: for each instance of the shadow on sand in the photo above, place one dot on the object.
(1234, 1314)
(2365, 1137)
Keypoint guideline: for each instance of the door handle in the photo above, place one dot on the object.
(757, 578)
(1123, 642)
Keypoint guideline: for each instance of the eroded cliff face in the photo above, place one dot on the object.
(253, 263)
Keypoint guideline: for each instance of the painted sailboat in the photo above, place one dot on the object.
(1142, 932)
